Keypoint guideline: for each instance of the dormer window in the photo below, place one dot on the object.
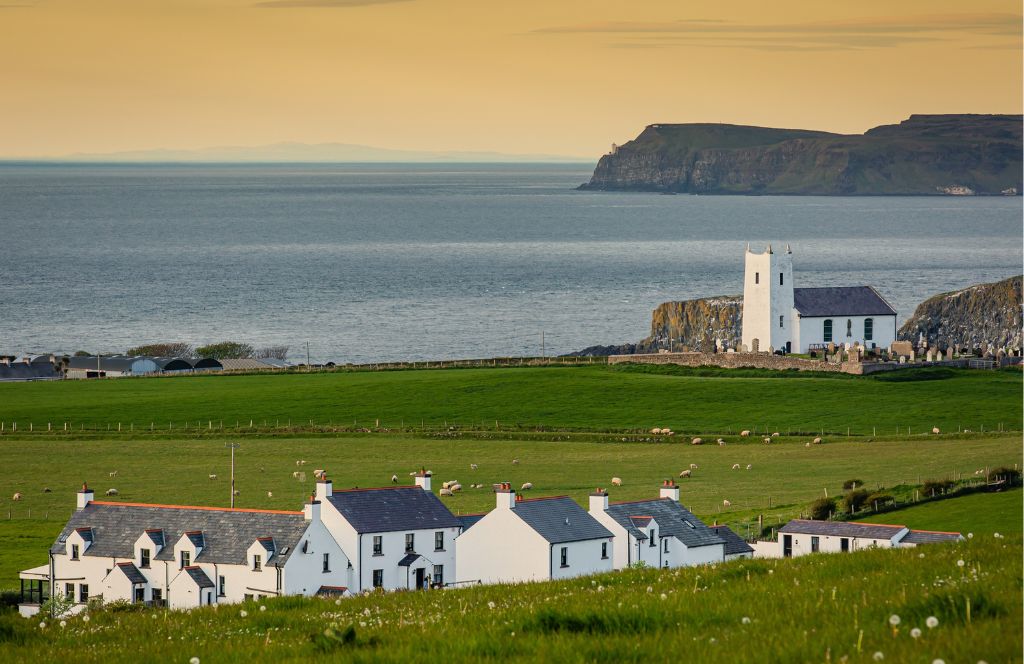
(186, 559)
(143, 557)
(257, 562)
(74, 552)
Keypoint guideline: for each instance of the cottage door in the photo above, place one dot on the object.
(419, 578)
(787, 546)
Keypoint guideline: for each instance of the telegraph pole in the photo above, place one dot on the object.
(233, 446)
(307, 356)
(542, 352)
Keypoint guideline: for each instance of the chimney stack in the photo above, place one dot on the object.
(669, 489)
(423, 480)
(311, 510)
(85, 496)
(599, 501)
(506, 496)
(324, 488)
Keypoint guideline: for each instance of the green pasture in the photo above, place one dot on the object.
(595, 398)
(975, 513)
(821, 608)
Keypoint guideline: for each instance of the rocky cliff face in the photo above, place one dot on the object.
(926, 154)
(693, 324)
(986, 316)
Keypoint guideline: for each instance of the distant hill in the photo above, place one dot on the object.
(307, 153)
(924, 155)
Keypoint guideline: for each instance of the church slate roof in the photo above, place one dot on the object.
(390, 509)
(560, 519)
(840, 301)
(227, 534)
(673, 519)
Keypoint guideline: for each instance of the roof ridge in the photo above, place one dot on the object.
(533, 500)
(936, 532)
(194, 507)
(642, 500)
(378, 488)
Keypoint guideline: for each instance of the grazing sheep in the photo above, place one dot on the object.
(685, 473)
(767, 440)
(515, 462)
(213, 476)
(726, 503)
(319, 473)
(697, 441)
(473, 466)
(817, 440)
(935, 429)
(775, 435)
(720, 441)
(735, 466)
(16, 496)
(745, 433)
(749, 466)
(616, 481)
(413, 473)
(296, 474)
(111, 492)
(693, 466)
(807, 444)
(446, 492)
(456, 487)
(270, 494)
(237, 492)
(668, 432)
(394, 479)
(526, 486)
(301, 477)
(46, 489)
(656, 431)
(113, 473)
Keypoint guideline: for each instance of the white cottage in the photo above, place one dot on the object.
(797, 320)
(800, 537)
(185, 556)
(398, 537)
(657, 533)
(532, 540)
(735, 546)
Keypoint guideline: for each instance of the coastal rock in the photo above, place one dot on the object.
(926, 154)
(982, 316)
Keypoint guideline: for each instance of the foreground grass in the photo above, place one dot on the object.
(823, 608)
(977, 513)
(591, 397)
(783, 478)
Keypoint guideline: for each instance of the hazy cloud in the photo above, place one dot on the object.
(851, 34)
(337, 4)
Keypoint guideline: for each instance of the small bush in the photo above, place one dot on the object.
(852, 484)
(936, 487)
(878, 500)
(822, 508)
(1010, 475)
(854, 500)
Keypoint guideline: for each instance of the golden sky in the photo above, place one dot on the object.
(529, 76)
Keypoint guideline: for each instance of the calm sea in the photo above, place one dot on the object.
(385, 262)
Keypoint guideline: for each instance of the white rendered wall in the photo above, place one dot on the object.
(681, 555)
(812, 331)
(832, 544)
(501, 548)
(303, 573)
(584, 558)
(765, 300)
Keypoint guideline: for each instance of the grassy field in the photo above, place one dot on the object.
(783, 477)
(824, 608)
(586, 397)
(977, 513)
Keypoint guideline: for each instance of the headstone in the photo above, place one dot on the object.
(743, 348)
(903, 359)
(930, 355)
(718, 346)
(754, 345)
(901, 347)
(913, 355)
(730, 350)
(949, 353)
(831, 348)
(771, 350)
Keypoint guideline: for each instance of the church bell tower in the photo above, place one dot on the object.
(768, 299)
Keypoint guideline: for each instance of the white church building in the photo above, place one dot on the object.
(798, 320)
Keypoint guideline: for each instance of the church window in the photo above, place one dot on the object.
(781, 318)
(869, 328)
(827, 331)
(780, 279)
(757, 277)
(849, 327)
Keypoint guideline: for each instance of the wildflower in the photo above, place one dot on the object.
(243, 613)
(932, 622)
(600, 589)
(362, 624)
(263, 607)
(490, 605)
(745, 620)
(960, 563)
(337, 602)
(997, 536)
(366, 611)
(85, 618)
(712, 640)
(650, 589)
(970, 535)
(42, 625)
(664, 596)
(915, 633)
(63, 623)
(771, 571)
(878, 656)
(894, 620)
(194, 660)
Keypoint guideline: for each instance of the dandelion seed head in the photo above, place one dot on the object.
(650, 589)
(915, 633)
(490, 605)
(938, 661)
(745, 620)
(664, 596)
(194, 660)
(894, 620)
(42, 625)
(932, 622)
(243, 613)
(960, 563)
(263, 607)
(63, 623)
(878, 656)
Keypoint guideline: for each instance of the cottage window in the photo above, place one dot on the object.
(781, 321)
(849, 327)
(248, 597)
(565, 556)
(83, 592)
(158, 596)
(378, 578)
(826, 332)
(378, 545)
(439, 574)
(815, 543)
(140, 594)
(327, 563)
(186, 559)
(757, 277)
(257, 562)
(650, 538)
(780, 278)
(74, 552)
(439, 541)
(144, 558)
(604, 550)
(410, 542)
(844, 544)
(664, 545)
(220, 585)
(69, 592)
(869, 329)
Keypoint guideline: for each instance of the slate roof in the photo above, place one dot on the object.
(199, 576)
(673, 519)
(391, 509)
(559, 519)
(734, 544)
(155, 536)
(331, 591)
(841, 529)
(132, 572)
(85, 533)
(929, 537)
(840, 301)
(267, 543)
(469, 520)
(227, 533)
(409, 559)
(196, 537)
(25, 371)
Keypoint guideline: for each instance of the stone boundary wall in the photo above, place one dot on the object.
(771, 361)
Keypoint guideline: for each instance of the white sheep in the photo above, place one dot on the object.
(319, 473)
(697, 441)
(817, 440)
(515, 462)
(807, 444)
(456, 487)
(616, 481)
(46, 489)
(270, 494)
(111, 492)
(693, 466)
(473, 466)
(296, 474)
(668, 432)
(526, 486)
(726, 503)
(685, 473)
(301, 477)
(446, 492)
(237, 492)
(113, 473)
(775, 435)
(16, 496)
(213, 476)
(394, 479)
(749, 466)
(935, 429)
(735, 466)
(767, 440)
(720, 442)
(745, 433)
(656, 431)
(414, 473)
